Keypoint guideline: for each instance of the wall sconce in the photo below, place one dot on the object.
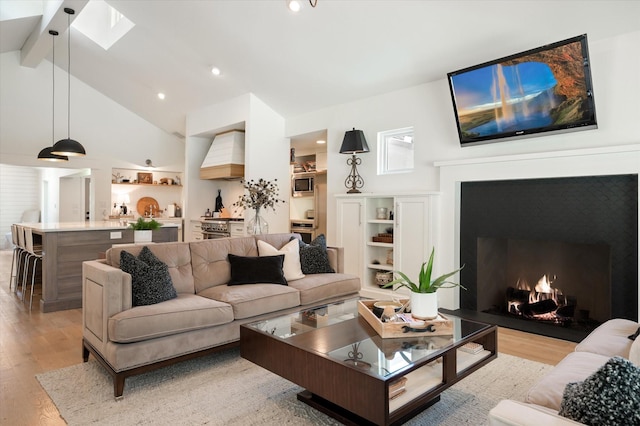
(354, 143)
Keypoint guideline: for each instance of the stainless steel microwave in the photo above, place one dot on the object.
(302, 184)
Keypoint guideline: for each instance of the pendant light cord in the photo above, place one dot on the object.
(69, 76)
(53, 88)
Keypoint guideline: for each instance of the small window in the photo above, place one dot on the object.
(395, 151)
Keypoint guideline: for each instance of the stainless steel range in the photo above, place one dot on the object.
(215, 228)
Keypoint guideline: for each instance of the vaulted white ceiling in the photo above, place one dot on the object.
(337, 52)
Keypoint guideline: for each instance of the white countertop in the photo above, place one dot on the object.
(81, 226)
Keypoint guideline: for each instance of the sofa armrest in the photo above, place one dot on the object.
(515, 413)
(336, 258)
(105, 292)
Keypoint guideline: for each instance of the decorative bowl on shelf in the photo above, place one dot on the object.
(383, 277)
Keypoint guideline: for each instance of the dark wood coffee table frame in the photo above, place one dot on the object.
(347, 393)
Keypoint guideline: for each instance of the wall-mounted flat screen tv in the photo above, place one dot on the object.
(547, 89)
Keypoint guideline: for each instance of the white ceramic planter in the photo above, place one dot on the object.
(144, 236)
(424, 305)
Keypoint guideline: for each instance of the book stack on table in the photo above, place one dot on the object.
(397, 387)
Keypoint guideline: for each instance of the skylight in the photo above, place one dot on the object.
(102, 23)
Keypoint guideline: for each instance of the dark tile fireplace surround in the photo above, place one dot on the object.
(594, 217)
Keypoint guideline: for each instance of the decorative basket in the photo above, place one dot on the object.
(383, 277)
(383, 238)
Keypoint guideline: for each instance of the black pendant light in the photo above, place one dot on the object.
(46, 154)
(68, 146)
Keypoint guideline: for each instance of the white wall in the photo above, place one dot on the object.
(266, 155)
(428, 108)
(113, 136)
(19, 191)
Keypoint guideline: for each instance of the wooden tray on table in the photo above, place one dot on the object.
(440, 326)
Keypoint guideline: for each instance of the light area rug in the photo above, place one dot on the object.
(225, 389)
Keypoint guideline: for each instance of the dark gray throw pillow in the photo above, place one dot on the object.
(257, 270)
(150, 279)
(313, 257)
(610, 396)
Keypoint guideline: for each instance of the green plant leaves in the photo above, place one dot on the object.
(425, 284)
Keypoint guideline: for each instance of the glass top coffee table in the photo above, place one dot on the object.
(350, 373)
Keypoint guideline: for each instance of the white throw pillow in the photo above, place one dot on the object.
(634, 353)
(291, 267)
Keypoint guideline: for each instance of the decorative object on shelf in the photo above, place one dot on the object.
(354, 143)
(68, 146)
(143, 230)
(219, 205)
(424, 297)
(259, 194)
(383, 238)
(46, 154)
(390, 257)
(147, 206)
(383, 277)
(144, 177)
(381, 213)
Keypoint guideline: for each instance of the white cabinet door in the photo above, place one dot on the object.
(349, 226)
(236, 229)
(413, 234)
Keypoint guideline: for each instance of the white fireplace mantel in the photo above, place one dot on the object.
(615, 160)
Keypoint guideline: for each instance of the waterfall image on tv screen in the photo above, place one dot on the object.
(541, 90)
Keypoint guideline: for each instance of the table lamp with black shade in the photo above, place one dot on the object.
(354, 143)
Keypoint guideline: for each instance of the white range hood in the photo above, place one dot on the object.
(225, 159)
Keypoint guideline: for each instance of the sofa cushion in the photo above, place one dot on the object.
(318, 287)
(575, 367)
(256, 270)
(610, 338)
(254, 299)
(210, 259)
(634, 352)
(150, 279)
(184, 313)
(610, 396)
(177, 256)
(291, 250)
(313, 256)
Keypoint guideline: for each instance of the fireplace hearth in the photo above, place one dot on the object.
(554, 256)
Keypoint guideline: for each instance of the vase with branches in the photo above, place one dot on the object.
(259, 195)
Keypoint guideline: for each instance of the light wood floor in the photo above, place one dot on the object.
(32, 343)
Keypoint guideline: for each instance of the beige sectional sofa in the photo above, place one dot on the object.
(207, 313)
(542, 404)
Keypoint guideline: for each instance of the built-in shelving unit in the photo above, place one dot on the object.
(384, 233)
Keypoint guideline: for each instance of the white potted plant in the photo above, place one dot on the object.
(143, 230)
(424, 297)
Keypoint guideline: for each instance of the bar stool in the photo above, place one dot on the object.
(16, 260)
(24, 260)
(35, 254)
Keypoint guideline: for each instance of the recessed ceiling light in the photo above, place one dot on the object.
(321, 141)
(294, 6)
(161, 96)
(215, 71)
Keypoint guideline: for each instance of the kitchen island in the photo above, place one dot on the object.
(65, 245)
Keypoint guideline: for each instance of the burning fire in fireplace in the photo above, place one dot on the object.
(542, 303)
